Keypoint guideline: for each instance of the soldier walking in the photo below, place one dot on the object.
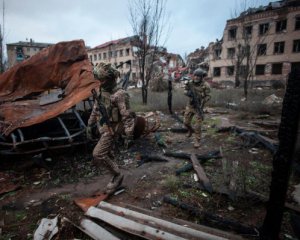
(198, 92)
(111, 112)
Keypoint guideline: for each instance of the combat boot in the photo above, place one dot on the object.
(190, 131)
(114, 183)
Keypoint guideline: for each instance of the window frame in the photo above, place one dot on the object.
(257, 73)
(277, 72)
(296, 46)
(278, 46)
(262, 29)
(219, 72)
(259, 49)
(279, 28)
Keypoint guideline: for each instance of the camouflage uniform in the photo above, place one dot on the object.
(202, 91)
(116, 102)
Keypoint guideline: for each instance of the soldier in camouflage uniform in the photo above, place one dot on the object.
(121, 121)
(198, 92)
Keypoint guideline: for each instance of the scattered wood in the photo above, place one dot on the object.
(151, 158)
(92, 229)
(213, 219)
(46, 229)
(189, 166)
(252, 137)
(130, 226)
(185, 223)
(163, 225)
(201, 173)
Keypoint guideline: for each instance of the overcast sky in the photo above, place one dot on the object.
(194, 23)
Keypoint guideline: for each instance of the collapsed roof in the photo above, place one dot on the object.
(23, 87)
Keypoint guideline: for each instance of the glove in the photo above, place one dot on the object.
(89, 133)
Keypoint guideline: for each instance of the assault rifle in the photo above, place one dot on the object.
(195, 100)
(105, 118)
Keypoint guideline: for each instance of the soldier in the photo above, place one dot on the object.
(198, 92)
(112, 114)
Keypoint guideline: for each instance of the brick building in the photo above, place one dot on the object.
(17, 52)
(262, 45)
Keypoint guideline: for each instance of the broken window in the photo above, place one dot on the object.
(277, 68)
(127, 51)
(295, 65)
(218, 53)
(230, 70)
(297, 23)
(91, 58)
(230, 52)
(278, 47)
(217, 72)
(248, 32)
(232, 33)
(281, 25)
(263, 28)
(121, 53)
(260, 69)
(116, 54)
(95, 57)
(296, 46)
(104, 55)
(110, 54)
(261, 49)
(99, 56)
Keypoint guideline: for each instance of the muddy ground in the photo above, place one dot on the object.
(48, 188)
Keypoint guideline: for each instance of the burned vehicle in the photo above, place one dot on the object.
(45, 101)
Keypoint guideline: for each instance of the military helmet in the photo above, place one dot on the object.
(104, 71)
(199, 72)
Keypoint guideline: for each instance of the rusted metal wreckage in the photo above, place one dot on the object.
(45, 101)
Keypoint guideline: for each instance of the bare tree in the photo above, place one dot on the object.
(148, 19)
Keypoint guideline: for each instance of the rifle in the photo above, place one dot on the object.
(196, 102)
(104, 119)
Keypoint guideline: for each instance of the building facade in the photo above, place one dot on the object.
(117, 52)
(18, 52)
(262, 45)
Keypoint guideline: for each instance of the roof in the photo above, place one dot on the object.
(30, 44)
(114, 42)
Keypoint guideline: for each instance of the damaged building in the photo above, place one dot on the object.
(262, 45)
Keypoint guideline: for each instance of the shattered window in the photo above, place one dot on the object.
(91, 58)
(116, 54)
(248, 32)
(260, 69)
(281, 25)
(110, 54)
(297, 23)
(218, 53)
(230, 70)
(278, 47)
(104, 55)
(121, 53)
(232, 33)
(99, 56)
(127, 51)
(217, 72)
(296, 46)
(95, 57)
(277, 68)
(261, 49)
(263, 28)
(230, 52)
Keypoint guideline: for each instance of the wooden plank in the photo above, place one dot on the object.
(201, 173)
(163, 225)
(130, 226)
(196, 226)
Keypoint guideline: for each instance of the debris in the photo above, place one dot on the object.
(149, 223)
(119, 191)
(272, 99)
(296, 193)
(196, 179)
(189, 166)
(46, 229)
(212, 219)
(86, 203)
(159, 140)
(150, 158)
(6, 183)
(201, 173)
